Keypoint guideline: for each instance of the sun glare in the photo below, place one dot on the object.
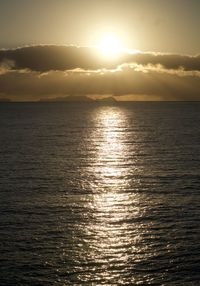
(110, 46)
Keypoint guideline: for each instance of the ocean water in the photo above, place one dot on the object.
(94, 194)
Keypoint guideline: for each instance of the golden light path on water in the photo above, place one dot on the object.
(111, 149)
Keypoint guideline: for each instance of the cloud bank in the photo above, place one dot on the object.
(36, 72)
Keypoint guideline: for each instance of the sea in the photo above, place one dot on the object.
(99, 193)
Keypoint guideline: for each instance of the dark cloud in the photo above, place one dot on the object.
(33, 73)
(168, 61)
(46, 58)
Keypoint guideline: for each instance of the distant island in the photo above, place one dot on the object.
(106, 99)
(79, 98)
(71, 98)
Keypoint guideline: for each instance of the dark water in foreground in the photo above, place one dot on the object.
(100, 195)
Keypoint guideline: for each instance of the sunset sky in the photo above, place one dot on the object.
(138, 49)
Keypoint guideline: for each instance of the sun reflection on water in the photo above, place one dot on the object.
(111, 151)
(114, 237)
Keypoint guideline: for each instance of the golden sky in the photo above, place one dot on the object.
(147, 25)
(141, 48)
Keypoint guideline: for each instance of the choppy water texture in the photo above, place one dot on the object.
(99, 195)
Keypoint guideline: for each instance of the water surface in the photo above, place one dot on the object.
(94, 194)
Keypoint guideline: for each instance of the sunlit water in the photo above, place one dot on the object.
(100, 195)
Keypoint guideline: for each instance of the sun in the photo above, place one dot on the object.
(110, 46)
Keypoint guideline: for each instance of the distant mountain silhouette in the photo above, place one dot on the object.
(107, 99)
(70, 98)
(78, 98)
